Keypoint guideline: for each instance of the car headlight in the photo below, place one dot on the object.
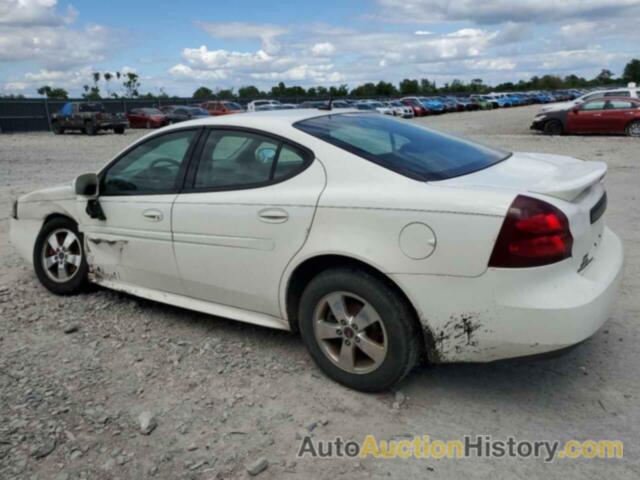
(14, 209)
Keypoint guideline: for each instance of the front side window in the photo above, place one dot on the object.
(152, 167)
(596, 105)
(237, 159)
(405, 148)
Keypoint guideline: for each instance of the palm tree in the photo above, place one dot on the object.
(107, 77)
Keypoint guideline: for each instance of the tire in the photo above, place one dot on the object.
(633, 129)
(71, 256)
(90, 129)
(394, 337)
(553, 127)
(57, 129)
(119, 130)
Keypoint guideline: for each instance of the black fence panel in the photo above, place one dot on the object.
(33, 114)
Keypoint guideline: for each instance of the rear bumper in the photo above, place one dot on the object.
(508, 313)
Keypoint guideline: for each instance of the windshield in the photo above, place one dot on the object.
(233, 106)
(198, 111)
(405, 148)
(151, 111)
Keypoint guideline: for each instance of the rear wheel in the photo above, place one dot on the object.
(119, 130)
(57, 129)
(90, 129)
(358, 330)
(633, 129)
(553, 127)
(58, 257)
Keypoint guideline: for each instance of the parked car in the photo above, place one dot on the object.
(419, 110)
(433, 104)
(256, 105)
(380, 107)
(603, 115)
(400, 110)
(631, 92)
(180, 113)
(483, 102)
(500, 100)
(468, 104)
(222, 107)
(87, 117)
(379, 240)
(147, 118)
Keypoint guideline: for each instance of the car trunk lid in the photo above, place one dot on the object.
(576, 185)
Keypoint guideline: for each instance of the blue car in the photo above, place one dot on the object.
(433, 105)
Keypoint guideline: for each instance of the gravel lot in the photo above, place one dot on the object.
(225, 394)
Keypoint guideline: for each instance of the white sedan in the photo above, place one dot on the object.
(378, 240)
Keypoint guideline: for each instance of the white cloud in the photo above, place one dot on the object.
(323, 49)
(498, 11)
(33, 12)
(241, 30)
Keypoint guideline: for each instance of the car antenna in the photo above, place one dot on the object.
(327, 106)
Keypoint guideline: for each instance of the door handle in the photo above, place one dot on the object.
(153, 215)
(273, 215)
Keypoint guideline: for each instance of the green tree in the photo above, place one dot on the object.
(131, 84)
(604, 77)
(91, 93)
(107, 78)
(49, 92)
(386, 89)
(409, 87)
(203, 92)
(365, 90)
(225, 94)
(249, 91)
(427, 87)
(632, 71)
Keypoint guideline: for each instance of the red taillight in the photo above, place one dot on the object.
(534, 233)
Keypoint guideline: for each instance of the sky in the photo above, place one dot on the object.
(177, 46)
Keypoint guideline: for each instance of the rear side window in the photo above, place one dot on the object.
(237, 159)
(405, 148)
(618, 94)
(620, 104)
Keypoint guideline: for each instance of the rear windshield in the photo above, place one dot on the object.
(403, 147)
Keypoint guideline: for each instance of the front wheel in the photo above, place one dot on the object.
(58, 257)
(633, 129)
(553, 127)
(90, 129)
(358, 330)
(119, 130)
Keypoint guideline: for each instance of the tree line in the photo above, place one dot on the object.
(131, 87)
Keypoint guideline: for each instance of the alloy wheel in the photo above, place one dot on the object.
(61, 255)
(350, 332)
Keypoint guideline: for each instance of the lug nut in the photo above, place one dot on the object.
(343, 322)
(355, 327)
(347, 343)
(357, 339)
(338, 331)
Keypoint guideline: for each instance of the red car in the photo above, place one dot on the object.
(603, 115)
(222, 107)
(418, 109)
(147, 118)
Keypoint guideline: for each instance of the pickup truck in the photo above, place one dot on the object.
(88, 117)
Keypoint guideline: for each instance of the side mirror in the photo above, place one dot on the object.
(86, 185)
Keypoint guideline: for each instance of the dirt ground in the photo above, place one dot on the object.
(224, 394)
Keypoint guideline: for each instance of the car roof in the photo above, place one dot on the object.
(258, 120)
